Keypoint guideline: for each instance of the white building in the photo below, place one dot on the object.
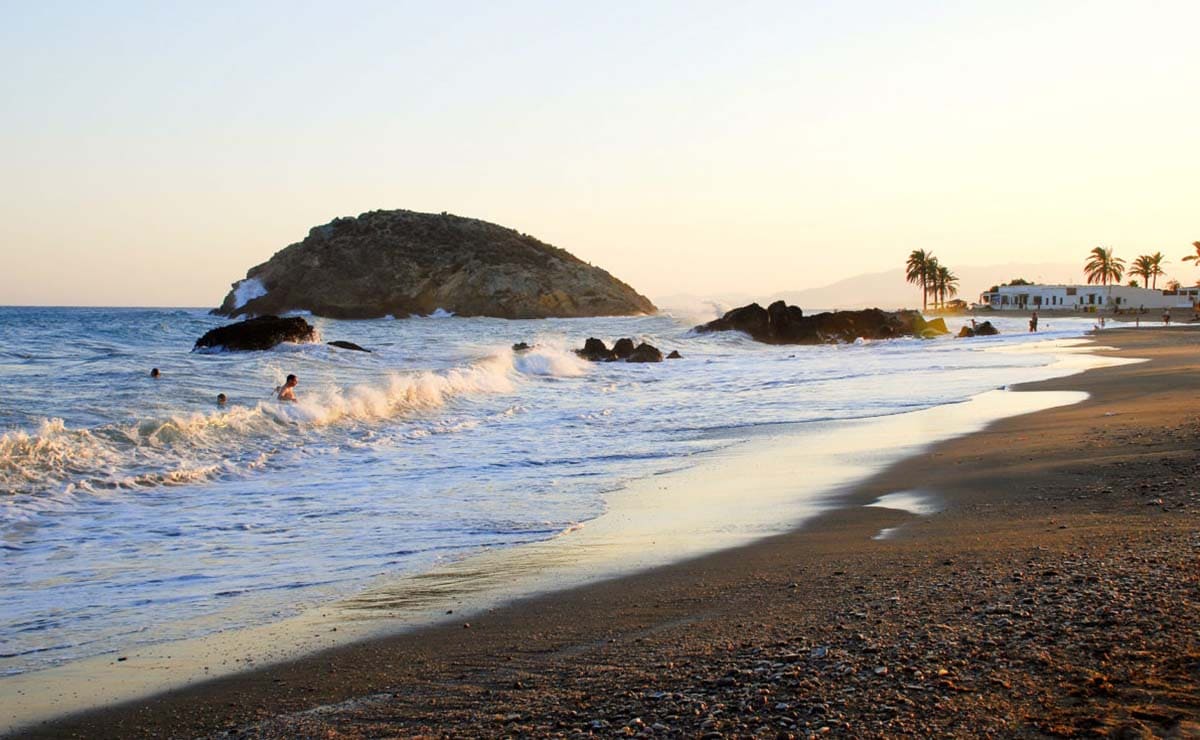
(1087, 298)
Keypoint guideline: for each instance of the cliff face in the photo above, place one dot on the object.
(401, 262)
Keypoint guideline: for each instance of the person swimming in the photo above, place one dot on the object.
(285, 392)
(154, 373)
(221, 399)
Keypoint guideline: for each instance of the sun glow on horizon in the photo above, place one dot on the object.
(155, 153)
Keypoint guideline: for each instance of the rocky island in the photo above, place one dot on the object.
(401, 263)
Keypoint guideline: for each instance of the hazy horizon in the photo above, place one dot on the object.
(155, 153)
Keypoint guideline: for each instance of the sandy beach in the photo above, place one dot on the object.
(1054, 592)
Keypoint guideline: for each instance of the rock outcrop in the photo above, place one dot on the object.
(596, 351)
(934, 328)
(979, 330)
(623, 349)
(259, 333)
(401, 263)
(343, 344)
(645, 353)
(783, 324)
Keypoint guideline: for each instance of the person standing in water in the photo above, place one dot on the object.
(285, 392)
(1033, 322)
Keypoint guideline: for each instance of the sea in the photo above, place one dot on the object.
(135, 510)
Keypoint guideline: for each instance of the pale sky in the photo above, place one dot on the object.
(153, 152)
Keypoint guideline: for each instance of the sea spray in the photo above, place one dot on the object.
(182, 448)
(551, 360)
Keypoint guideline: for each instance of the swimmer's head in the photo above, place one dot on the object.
(291, 380)
(154, 373)
(221, 399)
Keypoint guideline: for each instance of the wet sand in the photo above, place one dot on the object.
(1054, 592)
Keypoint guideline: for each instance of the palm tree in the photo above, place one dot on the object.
(1142, 267)
(945, 284)
(1156, 262)
(1104, 268)
(1194, 257)
(916, 272)
(931, 276)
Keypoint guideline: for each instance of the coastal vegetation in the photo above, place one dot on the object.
(935, 279)
(916, 272)
(1194, 257)
(1013, 282)
(1148, 267)
(1103, 267)
(945, 285)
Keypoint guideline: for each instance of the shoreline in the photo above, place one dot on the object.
(579, 617)
(730, 497)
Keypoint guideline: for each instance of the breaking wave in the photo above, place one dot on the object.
(38, 468)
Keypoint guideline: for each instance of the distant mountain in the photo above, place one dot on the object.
(887, 290)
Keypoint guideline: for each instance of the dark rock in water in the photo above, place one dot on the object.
(750, 319)
(980, 330)
(783, 315)
(259, 333)
(645, 353)
(521, 347)
(783, 324)
(674, 355)
(595, 350)
(623, 349)
(401, 263)
(347, 345)
(935, 328)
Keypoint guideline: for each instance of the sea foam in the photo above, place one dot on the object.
(247, 290)
(56, 460)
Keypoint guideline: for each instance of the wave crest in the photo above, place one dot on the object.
(56, 460)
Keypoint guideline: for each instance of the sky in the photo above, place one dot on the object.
(152, 152)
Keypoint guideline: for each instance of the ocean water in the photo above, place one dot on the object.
(135, 511)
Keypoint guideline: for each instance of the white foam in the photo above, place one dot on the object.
(551, 361)
(914, 502)
(57, 462)
(438, 313)
(247, 290)
(402, 393)
(886, 533)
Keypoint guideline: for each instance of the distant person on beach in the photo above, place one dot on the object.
(1033, 322)
(1167, 317)
(221, 399)
(285, 391)
(154, 373)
